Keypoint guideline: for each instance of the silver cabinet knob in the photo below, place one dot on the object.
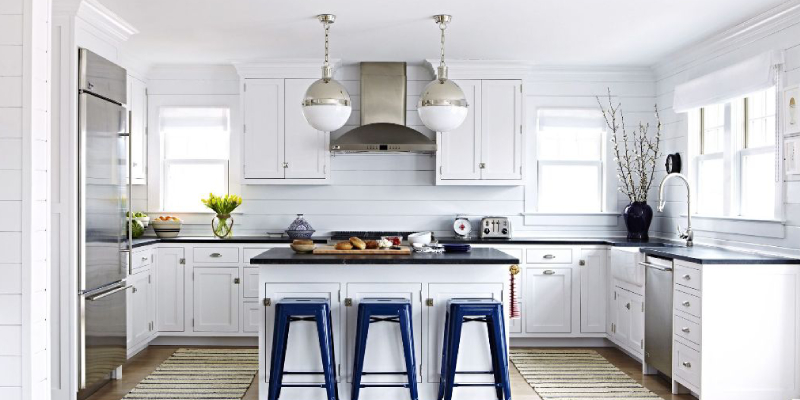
(145, 258)
(236, 281)
(686, 303)
(482, 165)
(687, 364)
(628, 306)
(685, 329)
(686, 277)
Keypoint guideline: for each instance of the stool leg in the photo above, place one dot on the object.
(445, 344)
(362, 330)
(498, 380)
(407, 334)
(333, 355)
(278, 345)
(325, 347)
(498, 327)
(456, 322)
(284, 348)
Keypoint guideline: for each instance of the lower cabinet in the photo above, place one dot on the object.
(140, 310)
(548, 300)
(627, 320)
(216, 299)
(594, 289)
(473, 336)
(170, 280)
(251, 316)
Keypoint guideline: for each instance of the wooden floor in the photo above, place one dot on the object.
(141, 365)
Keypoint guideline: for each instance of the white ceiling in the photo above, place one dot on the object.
(565, 32)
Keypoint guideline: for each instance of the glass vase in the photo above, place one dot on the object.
(222, 226)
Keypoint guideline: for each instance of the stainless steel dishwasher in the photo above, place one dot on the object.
(658, 314)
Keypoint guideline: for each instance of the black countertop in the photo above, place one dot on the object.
(146, 241)
(713, 255)
(476, 256)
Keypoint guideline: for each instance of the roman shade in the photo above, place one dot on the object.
(737, 80)
(560, 118)
(216, 118)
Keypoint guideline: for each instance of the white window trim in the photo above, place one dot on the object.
(155, 144)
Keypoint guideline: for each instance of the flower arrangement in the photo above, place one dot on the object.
(222, 224)
(635, 157)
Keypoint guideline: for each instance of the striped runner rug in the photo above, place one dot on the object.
(206, 374)
(576, 374)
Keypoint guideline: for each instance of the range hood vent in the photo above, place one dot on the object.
(383, 115)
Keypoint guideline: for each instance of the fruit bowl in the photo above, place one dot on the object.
(166, 228)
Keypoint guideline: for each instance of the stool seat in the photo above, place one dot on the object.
(463, 310)
(302, 309)
(375, 310)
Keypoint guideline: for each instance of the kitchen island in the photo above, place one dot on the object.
(427, 280)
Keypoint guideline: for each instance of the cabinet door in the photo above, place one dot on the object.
(216, 299)
(138, 129)
(251, 316)
(515, 324)
(636, 342)
(474, 354)
(548, 300)
(501, 129)
(384, 352)
(306, 149)
(594, 284)
(141, 308)
(302, 352)
(170, 280)
(459, 154)
(629, 325)
(263, 129)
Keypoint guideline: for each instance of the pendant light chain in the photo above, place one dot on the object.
(442, 26)
(327, 32)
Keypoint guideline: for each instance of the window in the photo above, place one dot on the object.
(570, 154)
(196, 149)
(735, 162)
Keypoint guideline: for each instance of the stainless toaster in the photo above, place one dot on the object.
(495, 228)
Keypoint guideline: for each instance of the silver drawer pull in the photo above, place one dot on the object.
(687, 277)
(685, 330)
(548, 256)
(687, 364)
(686, 303)
(549, 272)
(216, 255)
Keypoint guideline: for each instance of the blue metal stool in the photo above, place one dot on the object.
(374, 310)
(291, 310)
(490, 312)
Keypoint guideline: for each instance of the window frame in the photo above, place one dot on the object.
(600, 176)
(157, 165)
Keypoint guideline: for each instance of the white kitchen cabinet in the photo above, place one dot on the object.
(216, 299)
(384, 351)
(170, 290)
(487, 148)
(305, 149)
(141, 302)
(280, 147)
(302, 352)
(263, 129)
(475, 353)
(515, 324)
(594, 287)
(548, 300)
(628, 322)
(137, 106)
(251, 316)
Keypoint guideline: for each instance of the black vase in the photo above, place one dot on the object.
(638, 216)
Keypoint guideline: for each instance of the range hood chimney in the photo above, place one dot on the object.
(383, 115)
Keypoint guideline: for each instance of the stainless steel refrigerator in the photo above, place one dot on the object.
(103, 235)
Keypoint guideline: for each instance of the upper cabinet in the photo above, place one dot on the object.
(137, 106)
(487, 148)
(280, 147)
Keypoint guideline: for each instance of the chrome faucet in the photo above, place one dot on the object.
(687, 234)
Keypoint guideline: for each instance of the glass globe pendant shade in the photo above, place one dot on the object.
(442, 106)
(326, 105)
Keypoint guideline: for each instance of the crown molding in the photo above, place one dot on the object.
(528, 70)
(97, 15)
(760, 26)
(286, 68)
(482, 69)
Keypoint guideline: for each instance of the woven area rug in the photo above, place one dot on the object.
(218, 374)
(576, 374)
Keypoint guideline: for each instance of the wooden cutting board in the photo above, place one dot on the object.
(331, 250)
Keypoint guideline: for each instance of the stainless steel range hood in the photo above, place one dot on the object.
(383, 115)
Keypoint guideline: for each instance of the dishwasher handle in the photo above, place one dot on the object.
(655, 266)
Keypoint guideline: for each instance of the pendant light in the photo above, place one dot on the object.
(326, 104)
(442, 105)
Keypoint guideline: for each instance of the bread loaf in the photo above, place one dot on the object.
(372, 244)
(344, 246)
(303, 241)
(358, 243)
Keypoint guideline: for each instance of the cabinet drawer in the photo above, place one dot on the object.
(141, 260)
(216, 255)
(250, 287)
(549, 256)
(686, 363)
(688, 277)
(686, 329)
(252, 252)
(687, 303)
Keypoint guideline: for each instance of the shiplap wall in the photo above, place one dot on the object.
(777, 29)
(24, 135)
(397, 192)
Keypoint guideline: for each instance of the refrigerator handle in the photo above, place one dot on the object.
(130, 194)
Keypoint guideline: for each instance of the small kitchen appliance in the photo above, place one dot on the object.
(462, 227)
(495, 228)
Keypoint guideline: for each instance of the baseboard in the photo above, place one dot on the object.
(561, 342)
(204, 341)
